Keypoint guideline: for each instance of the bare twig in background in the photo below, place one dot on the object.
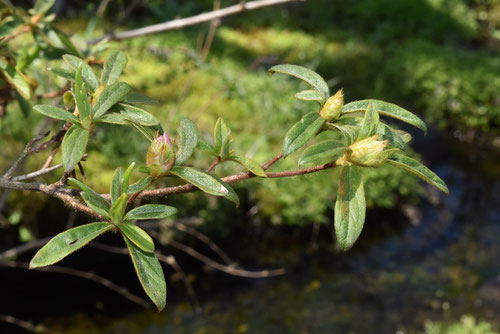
(86, 275)
(191, 21)
(26, 325)
(211, 33)
(38, 173)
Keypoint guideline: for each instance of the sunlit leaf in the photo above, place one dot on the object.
(150, 211)
(386, 109)
(113, 67)
(140, 185)
(73, 147)
(43, 6)
(369, 124)
(111, 95)
(118, 208)
(126, 177)
(67, 242)
(57, 113)
(64, 73)
(322, 152)
(416, 168)
(134, 97)
(81, 98)
(138, 236)
(93, 200)
(311, 95)
(15, 78)
(222, 137)
(350, 207)
(187, 135)
(302, 132)
(70, 47)
(305, 74)
(249, 164)
(135, 114)
(116, 185)
(150, 274)
(87, 74)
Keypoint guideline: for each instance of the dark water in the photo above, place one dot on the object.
(439, 265)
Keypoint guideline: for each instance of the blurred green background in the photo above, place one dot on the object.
(437, 58)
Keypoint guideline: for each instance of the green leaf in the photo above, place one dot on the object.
(116, 185)
(305, 74)
(126, 177)
(350, 207)
(151, 211)
(187, 136)
(87, 74)
(26, 56)
(349, 132)
(386, 109)
(416, 168)
(70, 47)
(23, 104)
(311, 95)
(43, 6)
(113, 67)
(134, 97)
(204, 181)
(302, 132)
(93, 200)
(322, 152)
(204, 146)
(57, 113)
(113, 118)
(232, 196)
(73, 147)
(136, 114)
(16, 79)
(67, 242)
(110, 96)
(138, 236)
(118, 209)
(249, 164)
(81, 98)
(8, 4)
(64, 73)
(140, 185)
(150, 274)
(221, 136)
(370, 123)
(147, 132)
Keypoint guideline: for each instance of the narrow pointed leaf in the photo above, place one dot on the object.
(140, 185)
(416, 168)
(73, 147)
(110, 96)
(57, 113)
(135, 114)
(16, 79)
(81, 98)
(151, 211)
(118, 209)
(88, 74)
(43, 6)
(187, 135)
(116, 185)
(302, 132)
(147, 132)
(95, 201)
(350, 207)
(113, 118)
(369, 124)
(221, 136)
(201, 180)
(249, 164)
(349, 132)
(305, 74)
(126, 177)
(387, 109)
(322, 152)
(138, 236)
(64, 73)
(311, 95)
(70, 47)
(231, 195)
(113, 67)
(150, 274)
(67, 242)
(204, 146)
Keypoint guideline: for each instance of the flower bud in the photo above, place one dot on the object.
(333, 107)
(160, 157)
(370, 152)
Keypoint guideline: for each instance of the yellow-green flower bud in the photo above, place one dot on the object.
(370, 152)
(160, 157)
(333, 107)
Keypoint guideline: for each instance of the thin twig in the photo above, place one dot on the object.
(51, 157)
(86, 275)
(190, 21)
(26, 325)
(28, 149)
(38, 173)
(213, 165)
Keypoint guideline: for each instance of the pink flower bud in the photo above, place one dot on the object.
(160, 157)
